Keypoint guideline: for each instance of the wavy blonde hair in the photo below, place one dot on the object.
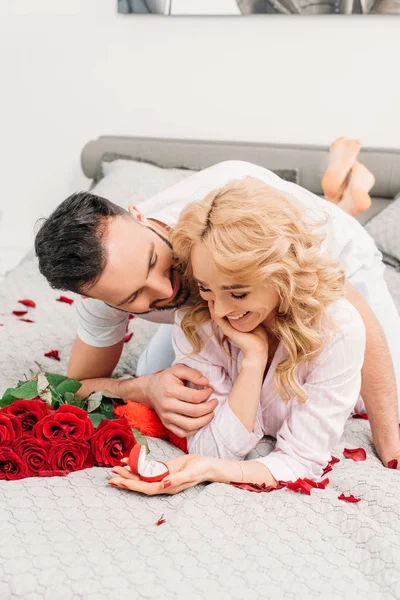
(257, 234)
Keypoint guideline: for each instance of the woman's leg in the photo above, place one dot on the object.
(356, 196)
(343, 154)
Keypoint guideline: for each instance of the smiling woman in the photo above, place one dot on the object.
(270, 328)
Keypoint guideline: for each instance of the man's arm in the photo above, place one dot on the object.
(89, 362)
(181, 409)
(378, 387)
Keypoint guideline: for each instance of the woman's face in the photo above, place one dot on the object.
(245, 307)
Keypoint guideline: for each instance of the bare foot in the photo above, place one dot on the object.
(342, 156)
(356, 198)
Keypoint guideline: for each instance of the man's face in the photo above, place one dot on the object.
(139, 276)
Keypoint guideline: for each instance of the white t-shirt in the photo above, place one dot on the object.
(100, 325)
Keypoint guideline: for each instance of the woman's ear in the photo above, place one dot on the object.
(136, 214)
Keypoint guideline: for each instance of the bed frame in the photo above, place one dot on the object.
(311, 161)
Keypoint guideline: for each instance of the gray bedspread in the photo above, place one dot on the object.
(76, 538)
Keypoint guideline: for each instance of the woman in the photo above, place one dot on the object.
(272, 331)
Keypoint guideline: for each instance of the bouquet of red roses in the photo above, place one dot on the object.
(51, 432)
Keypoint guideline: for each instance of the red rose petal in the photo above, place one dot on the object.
(161, 520)
(321, 485)
(19, 313)
(305, 485)
(330, 464)
(361, 416)
(392, 464)
(356, 454)
(298, 485)
(128, 337)
(130, 317)
(26, 320)
(53, 354)
(256, 487)
(27, 302)
(350, 498)
(65, 299)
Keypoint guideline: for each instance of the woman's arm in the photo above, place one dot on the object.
(248, 471)
(234, 431)
(245, 395)
(310, 431)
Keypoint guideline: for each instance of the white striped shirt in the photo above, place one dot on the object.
(305, 432)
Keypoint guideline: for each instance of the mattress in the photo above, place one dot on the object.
(76, 538)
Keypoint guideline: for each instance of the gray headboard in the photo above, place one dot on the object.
(196, 154)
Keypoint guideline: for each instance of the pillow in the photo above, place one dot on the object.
(131, 181)
(384, 228)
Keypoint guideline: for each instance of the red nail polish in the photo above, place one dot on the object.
(166, 483)
(124, 486)
(112, 483)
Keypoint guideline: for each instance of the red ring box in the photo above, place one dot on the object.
(148, 470)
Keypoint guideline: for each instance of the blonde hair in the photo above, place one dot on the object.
(257, 234)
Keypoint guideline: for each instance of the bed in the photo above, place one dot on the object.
(75, 538)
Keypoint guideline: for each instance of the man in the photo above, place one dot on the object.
(122, 262)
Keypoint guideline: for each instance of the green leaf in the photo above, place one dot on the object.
(94, 401)
(96, 418)
(68, 385)
(55, 379)
(112, 396)
(62, 383)
(107, 409)
(140, 438)
(27, 391)
(69, 398)
(7, 399)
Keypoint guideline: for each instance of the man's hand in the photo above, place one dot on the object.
(182, 410)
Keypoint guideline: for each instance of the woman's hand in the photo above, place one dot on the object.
(253, 344)
(184, 472)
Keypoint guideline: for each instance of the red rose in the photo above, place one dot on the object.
(10, 429)
(11, 466)
(112, 441)
(33, 453)
(70, 455)
(67, 421)
(75, 421)
(48, 429)
(28, 412)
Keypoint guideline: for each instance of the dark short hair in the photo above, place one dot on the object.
(69, 244)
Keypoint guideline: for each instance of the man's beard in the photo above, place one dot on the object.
(182, 294)
(179, 299)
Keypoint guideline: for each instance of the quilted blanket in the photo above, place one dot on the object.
(76, 538)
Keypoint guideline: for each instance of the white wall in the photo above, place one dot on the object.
(74, 69)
